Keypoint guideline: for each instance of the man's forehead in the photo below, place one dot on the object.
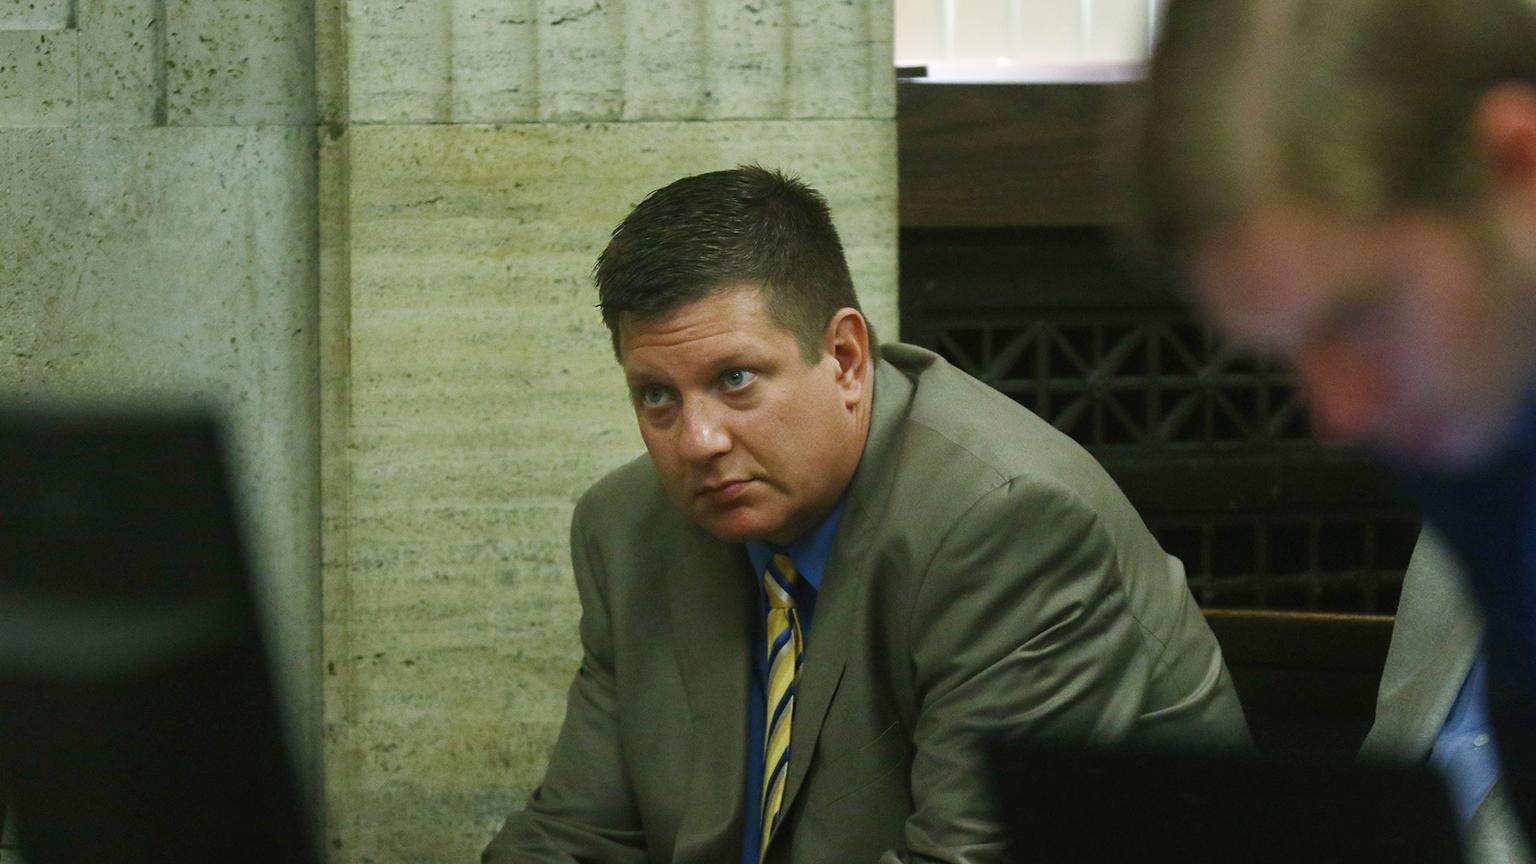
(1259, 276)
(724, 311)
(1286, 270)
(708, 330)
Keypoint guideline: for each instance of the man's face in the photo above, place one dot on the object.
(1407, 333)
(750, 440)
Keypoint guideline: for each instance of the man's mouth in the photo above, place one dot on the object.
(723, 491)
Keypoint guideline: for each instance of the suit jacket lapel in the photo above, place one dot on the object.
(1434, 642)
(826, 654)
(712, 610)
(842, 587)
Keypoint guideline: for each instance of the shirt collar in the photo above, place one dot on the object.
(809, 551)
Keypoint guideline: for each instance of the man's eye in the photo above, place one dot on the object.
(653, 396)
(737, 378)
(1359, 316)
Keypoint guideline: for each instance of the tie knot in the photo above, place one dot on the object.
(779, 582)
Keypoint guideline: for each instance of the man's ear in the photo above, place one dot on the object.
(847, 342)
(1504, 126)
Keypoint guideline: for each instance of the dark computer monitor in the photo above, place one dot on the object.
(1096, 806)
(138, 719)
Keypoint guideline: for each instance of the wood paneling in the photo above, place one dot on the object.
(994, 155)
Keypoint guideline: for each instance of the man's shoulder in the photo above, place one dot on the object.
(971, 425)
(632, 488)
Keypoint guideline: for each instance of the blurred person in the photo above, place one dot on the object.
(1351, 185)
(837, 574)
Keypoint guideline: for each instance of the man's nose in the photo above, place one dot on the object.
(1346, 393)
(703, 432)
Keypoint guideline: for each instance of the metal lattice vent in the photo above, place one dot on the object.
(1212, 446)
(1161, 380)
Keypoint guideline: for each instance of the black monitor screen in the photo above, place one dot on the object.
(138, 721)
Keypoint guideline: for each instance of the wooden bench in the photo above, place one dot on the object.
(1307, 680)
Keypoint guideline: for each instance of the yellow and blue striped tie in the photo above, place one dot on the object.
(786, 650)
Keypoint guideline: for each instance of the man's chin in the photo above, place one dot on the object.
(738, 525)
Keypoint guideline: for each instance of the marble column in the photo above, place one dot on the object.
(159, 232)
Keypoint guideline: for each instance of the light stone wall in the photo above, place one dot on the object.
(501, 61)
(169, 235)
(159, 231)
(482, 152)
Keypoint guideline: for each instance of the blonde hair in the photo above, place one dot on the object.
(1362, 104)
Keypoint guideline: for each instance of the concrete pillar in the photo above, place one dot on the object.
(159, 235)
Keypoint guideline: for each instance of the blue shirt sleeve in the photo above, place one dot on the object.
(1464, 751)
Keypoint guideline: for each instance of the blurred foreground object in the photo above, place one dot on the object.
(1119, 806)
(137, 717)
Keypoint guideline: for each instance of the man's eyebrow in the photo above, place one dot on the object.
(636, 380)
(736, 359)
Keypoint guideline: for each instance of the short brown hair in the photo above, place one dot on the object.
(710, 232)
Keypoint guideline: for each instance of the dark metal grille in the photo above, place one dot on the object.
(1155, 379)
(1292, 560)
(1212, 446)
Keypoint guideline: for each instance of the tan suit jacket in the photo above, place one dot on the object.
(1434, 641)
(987, 579)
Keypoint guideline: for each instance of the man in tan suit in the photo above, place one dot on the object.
(837, 573)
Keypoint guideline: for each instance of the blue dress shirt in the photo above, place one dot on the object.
(810, 554)
(1464, 751)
